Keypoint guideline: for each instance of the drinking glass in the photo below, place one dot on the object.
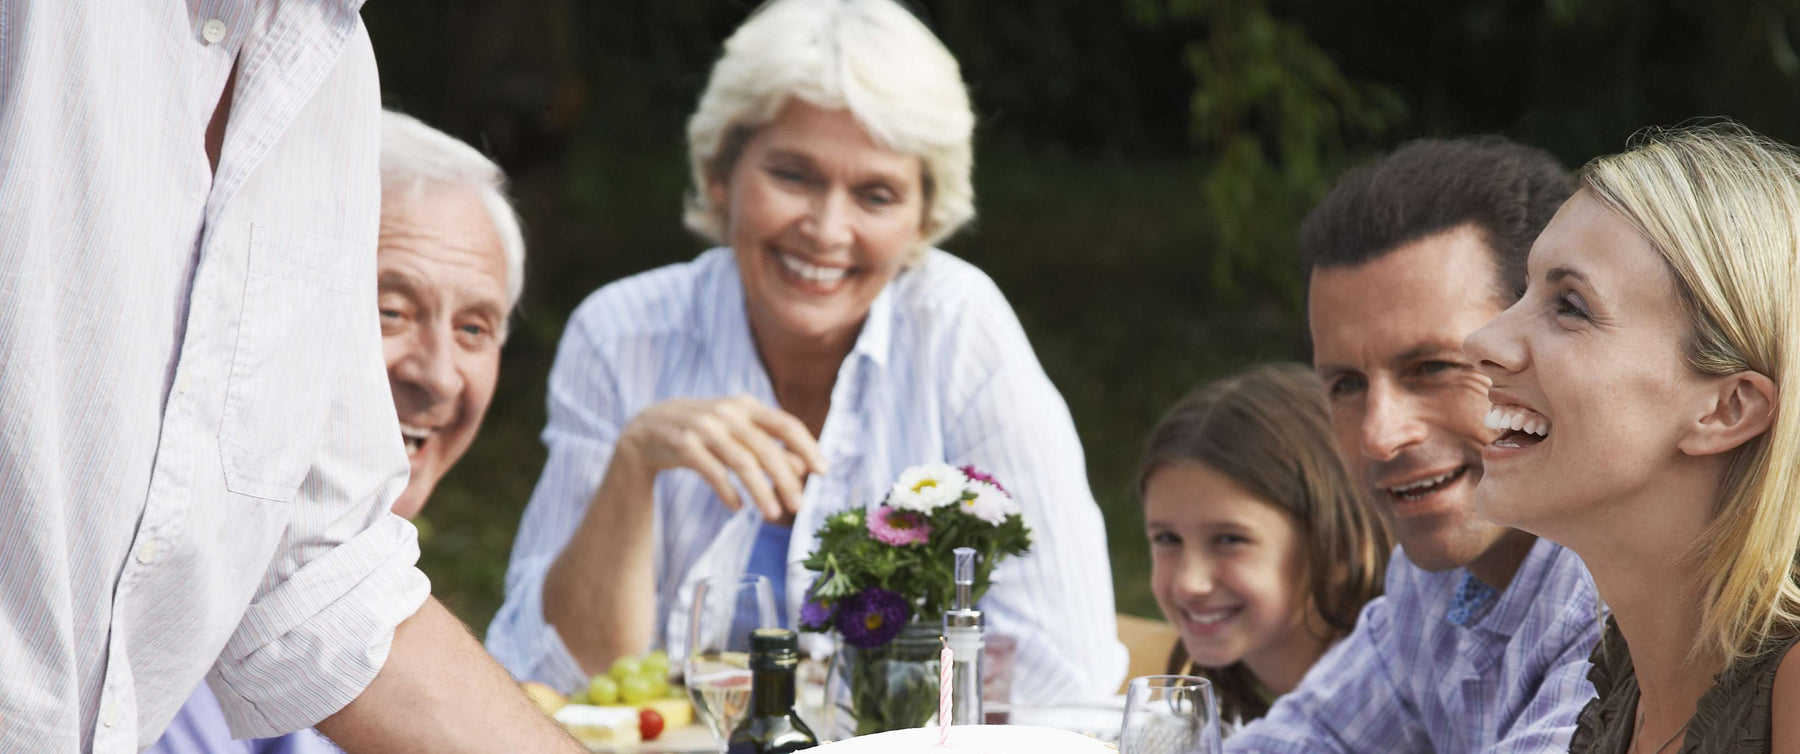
(717, 667)
(1170, 714)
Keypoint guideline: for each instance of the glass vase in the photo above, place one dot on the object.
(890, 687)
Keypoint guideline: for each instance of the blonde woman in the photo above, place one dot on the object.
(1639, 382)
(705, 417)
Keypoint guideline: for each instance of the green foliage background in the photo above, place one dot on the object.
(1141, 168)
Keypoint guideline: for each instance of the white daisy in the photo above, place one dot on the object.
(989, 504)
(927, 487)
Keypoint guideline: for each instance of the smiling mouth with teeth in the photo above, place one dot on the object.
(414, 437)
(1523, 427)
(811, 273)
(1416, 490)
(1206, 618)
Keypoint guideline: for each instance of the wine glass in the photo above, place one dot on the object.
(1170, 714)
(717, 667)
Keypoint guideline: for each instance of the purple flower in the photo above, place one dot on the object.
(816, 614)
(898, 528)
(979, 476)
(872, 618)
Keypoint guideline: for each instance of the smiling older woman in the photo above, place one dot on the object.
(698, 410)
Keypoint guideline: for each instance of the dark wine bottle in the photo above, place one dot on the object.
(772, 727)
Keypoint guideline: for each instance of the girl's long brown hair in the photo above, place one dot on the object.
(1269, 430)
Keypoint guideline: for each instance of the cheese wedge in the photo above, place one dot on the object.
(610, 726)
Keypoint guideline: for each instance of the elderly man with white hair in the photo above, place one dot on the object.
(705, 418)
(450, 266)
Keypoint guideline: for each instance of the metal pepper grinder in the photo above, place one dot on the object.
(962, 632)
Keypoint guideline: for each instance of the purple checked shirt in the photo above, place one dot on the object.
(1510, 677)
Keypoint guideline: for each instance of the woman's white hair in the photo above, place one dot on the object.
(871, 57)
(416, 157)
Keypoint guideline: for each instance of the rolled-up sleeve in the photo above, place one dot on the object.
(314, 642)
(1057, 600)
(580, 435)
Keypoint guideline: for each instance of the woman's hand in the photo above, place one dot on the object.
(767, 448)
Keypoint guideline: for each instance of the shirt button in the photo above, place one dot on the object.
(109, 715)
(146, 552)
(212, 31)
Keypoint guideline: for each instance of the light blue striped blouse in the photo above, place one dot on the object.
(941, 371)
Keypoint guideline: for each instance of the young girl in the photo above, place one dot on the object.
(1639, 382)
(1262, 552)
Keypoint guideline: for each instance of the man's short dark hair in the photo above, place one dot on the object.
(1507, 190)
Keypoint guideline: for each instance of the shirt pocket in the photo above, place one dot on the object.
(299, 294)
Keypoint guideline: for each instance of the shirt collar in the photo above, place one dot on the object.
(878, 326)
(1507, 611)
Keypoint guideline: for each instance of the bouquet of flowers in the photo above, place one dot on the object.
(884, 568)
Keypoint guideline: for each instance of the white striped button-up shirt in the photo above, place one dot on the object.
(941, 371)
(197, 440)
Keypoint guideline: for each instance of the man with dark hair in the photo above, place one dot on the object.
(1481, 642)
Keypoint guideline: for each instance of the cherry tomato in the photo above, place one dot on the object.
(650, 724)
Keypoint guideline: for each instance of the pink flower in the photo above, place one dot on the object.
(979, 476)
(898, 528)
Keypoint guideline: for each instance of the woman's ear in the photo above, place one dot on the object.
(1743, 406)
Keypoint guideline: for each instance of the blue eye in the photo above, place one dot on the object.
(1231, 539)
(1165, 538)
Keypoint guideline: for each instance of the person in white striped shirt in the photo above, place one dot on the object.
(449, 268)
(705, 417)
(198, 446)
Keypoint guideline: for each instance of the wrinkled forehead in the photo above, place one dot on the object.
(445, 240)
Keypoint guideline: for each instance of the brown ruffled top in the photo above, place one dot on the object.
(1732, 717)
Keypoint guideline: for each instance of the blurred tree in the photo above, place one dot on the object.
(1278, 121)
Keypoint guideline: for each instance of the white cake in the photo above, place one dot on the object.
(972, 739)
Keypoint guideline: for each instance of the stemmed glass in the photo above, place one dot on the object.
(717, 667)
(1170, 714)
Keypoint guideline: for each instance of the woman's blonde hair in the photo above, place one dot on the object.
(871, 57)
(1721, 204)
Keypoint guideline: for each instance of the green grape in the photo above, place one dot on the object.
(656, 664)
(581, 697)
(659, 685)
(634, 690)
(625, 667)
(676, 692)
(603, 690)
